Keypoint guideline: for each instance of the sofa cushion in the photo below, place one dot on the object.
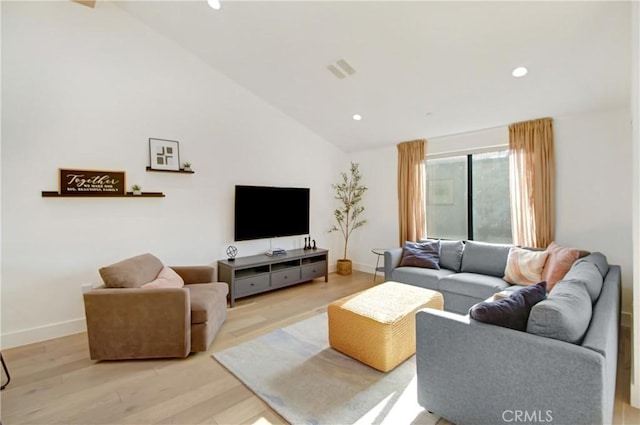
(474, 285)
(559, 262)
(421, 254)
(524, 267)
(167, 278)
(599, 260)
(450, 254)
(132, 272)
(485, 258)
(424, 278)
(586, 273)
(206, 299)
(565, 314)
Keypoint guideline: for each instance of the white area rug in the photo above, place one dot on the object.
(295, 372)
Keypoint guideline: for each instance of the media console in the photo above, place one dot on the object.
(261, 273)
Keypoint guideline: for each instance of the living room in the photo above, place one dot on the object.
(87, 87)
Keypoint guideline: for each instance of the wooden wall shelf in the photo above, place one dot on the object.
(182, 170)
(51, 194)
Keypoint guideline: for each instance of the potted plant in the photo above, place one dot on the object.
(349, 192)
(136, 189)
(187, 166)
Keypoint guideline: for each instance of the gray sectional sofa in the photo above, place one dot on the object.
(561, 370)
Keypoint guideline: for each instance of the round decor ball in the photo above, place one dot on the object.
(232, 251)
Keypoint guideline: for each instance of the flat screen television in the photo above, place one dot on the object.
(268, 212)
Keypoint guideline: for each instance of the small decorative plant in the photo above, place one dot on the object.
(136, 189)
(349, 192)
(187, 165)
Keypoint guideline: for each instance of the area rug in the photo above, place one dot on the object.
(297, 374)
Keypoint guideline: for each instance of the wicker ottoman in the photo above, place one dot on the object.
(378, 326)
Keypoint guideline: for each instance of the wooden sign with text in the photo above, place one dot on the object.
(92, 182)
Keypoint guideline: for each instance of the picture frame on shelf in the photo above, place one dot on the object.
(164, 154)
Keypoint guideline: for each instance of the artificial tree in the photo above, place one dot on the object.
(349, 192)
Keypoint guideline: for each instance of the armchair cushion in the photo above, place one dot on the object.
(206, 299)
(132, 272)
(166, 279)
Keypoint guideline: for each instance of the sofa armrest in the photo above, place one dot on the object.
(195, 274)
(392, 259)
(472, 372)
(130, 323)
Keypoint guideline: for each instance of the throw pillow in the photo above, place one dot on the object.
(524, 267)
(167, 278)
(533, 294)
(510, 312)
(558, 263)
(421, 254)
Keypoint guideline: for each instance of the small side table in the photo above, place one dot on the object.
(380, 253)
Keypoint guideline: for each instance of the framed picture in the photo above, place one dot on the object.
(91, 182)
(164, 154)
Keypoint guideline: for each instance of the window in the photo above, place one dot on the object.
(468, 197)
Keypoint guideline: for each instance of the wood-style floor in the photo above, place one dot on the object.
(56, 382)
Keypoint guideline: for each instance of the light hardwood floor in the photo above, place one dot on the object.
(56, 382)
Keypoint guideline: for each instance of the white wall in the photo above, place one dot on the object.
(635, 140)
(85, 88)
(593, 198)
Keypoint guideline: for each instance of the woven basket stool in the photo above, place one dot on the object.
(377, 326)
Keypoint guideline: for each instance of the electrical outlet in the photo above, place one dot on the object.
(86, 287)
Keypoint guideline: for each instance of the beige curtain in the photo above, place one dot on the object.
(532, 182)
(411, 190)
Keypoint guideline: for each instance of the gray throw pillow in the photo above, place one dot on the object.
(450, 253)
(565, 314)
(588, 274)
(421, 254)
(485, 258)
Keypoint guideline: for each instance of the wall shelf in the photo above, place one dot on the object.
(182, 170)
(52, 194)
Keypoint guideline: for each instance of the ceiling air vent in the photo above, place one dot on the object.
(341, 69)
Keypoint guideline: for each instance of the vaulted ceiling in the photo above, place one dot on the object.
(422, 69)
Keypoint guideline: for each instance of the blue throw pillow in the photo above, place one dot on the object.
(533, 294)
(511, 312)
(421, 254)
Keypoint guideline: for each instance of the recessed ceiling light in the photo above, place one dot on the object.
(520, 71)
(357, 117)
(214, 4)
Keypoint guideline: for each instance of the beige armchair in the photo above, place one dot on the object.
(129, 318)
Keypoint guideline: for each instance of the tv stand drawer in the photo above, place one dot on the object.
(311, 271)
(285, 277)
(251, 285)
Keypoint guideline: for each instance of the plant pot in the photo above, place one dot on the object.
(137, 192)
(344, 267)
(187, 168)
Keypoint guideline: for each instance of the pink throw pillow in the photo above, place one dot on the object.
(167, 278)
(558, 263)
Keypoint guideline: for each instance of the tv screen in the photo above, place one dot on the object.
(269, 212)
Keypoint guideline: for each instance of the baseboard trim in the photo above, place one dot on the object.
(43, 333)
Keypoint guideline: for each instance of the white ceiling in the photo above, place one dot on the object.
(423, 69)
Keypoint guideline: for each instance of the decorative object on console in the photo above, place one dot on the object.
(232, 251)
(314, 245)
(164, 154)
(307, 243)
(186, 166)
(349, 192)
(136, 189)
